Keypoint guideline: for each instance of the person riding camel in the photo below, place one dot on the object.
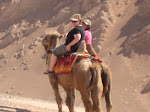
(88, 37)
(73, 40)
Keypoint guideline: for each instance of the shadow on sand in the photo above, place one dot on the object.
(10, 109)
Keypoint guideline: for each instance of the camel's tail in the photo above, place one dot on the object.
(105, 76)
(95, 72)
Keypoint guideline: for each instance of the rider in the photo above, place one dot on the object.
(88, 37)
(73, 40)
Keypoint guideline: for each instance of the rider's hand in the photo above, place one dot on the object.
(68, 47)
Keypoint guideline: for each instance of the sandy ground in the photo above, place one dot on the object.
(9, 103)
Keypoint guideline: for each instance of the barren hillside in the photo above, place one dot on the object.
(121, 36)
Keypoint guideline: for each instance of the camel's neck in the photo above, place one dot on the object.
(55, 43)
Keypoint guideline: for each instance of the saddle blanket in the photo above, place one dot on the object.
(64, 64)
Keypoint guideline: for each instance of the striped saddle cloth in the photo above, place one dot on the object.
(64, 64)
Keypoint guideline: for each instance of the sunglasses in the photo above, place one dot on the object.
(74, 21)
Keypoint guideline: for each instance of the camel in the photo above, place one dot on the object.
(86, 77)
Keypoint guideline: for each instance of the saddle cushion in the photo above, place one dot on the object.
(64, 64)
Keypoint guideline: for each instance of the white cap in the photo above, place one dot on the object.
(87, 22)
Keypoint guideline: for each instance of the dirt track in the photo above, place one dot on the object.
(9, 103)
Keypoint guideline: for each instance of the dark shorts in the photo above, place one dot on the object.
(59, 50)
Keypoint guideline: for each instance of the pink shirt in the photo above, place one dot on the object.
(88, 37)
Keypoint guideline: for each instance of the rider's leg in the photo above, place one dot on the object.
(55, 53)
(52, 62)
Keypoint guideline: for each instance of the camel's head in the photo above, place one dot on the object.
(51, 40)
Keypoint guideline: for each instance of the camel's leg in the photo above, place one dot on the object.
(86, 100)
(109, 104)
(54, 85)
(70, 100)
(96, 95)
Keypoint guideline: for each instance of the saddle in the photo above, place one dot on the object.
(65, 62)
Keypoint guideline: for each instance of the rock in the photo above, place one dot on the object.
(103, 36)
(6, 61)
(117, 3)
(37, 24)
(103, 29)
(21, 48)
(23, 63)
(15, 55)
(21, 54)
(32, 28)
(12, 29)
(26, 62)
(106, 6)
(35, 43)
(20, 93)
(39, 39)
(99, 47)
(12, 87)
(110, 53)
(120, 14)
(26, 68)
(126, 2)
(105, 21)
(15, 68)
(43, 35)
(31, 46)
(3, 7)
(111, 19)
(7, 91)
(35, 51)
(102, 13)
(15, 1)
(2, 56)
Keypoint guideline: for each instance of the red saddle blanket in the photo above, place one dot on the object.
(64, 64)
